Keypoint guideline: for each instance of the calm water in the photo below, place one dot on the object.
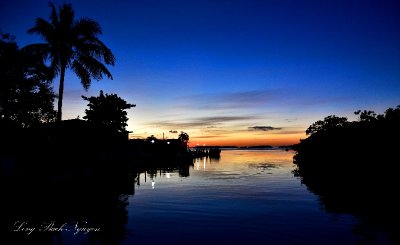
(244, 197)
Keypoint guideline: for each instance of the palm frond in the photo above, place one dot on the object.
(95, 68)
(95, 49)
(106, 53)
(55, 65)
(54, 15)
(43, 28)
(39, 50)
(82, 73)
(87, 28)
(66, 16)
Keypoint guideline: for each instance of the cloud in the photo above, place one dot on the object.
(173, 131)
(208, 122)
(233, 100)
(209, 136)
(219, 119)
(282, 99)
(290, 119)
(263, 128)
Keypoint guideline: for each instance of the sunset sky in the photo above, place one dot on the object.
(235, 72)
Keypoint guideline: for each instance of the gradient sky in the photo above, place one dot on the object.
(235, 72)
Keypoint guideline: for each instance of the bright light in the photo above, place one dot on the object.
(167, 142)
(197, 164)
(152, 141)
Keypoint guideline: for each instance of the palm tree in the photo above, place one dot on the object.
(72, 44)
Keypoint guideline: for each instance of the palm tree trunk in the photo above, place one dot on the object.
(60, 94)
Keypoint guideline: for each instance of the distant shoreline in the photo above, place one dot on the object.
(280, 148)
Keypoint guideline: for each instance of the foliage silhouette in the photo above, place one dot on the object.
(73, 44)
(353, 166)
(328, 123)
(151, 139)
(26, 97)
(107, 111)
(183, 137)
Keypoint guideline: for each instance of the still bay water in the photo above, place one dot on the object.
(244, 197)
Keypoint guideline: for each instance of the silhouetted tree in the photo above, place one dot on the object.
(184, 137)
(329, 122)
(392, 115)
(26, 97)
(74, 44)
(107, 111)
(353, 166)
(366, 116)
(151, 138)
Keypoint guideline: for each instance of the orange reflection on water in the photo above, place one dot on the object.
(260, 156)
(243, 161)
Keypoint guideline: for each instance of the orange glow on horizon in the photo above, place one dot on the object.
(232, 138)
(278, 141)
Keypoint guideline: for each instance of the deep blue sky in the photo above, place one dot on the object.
(236, 71)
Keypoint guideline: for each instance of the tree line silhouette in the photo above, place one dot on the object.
(26, 95)
(28, 120)
(67, 170)
(354, 165)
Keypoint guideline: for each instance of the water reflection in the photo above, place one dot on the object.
(242, 197)
(84, 210)
(358, 190)
(202, 163)
(74, 207)
(264, 167)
